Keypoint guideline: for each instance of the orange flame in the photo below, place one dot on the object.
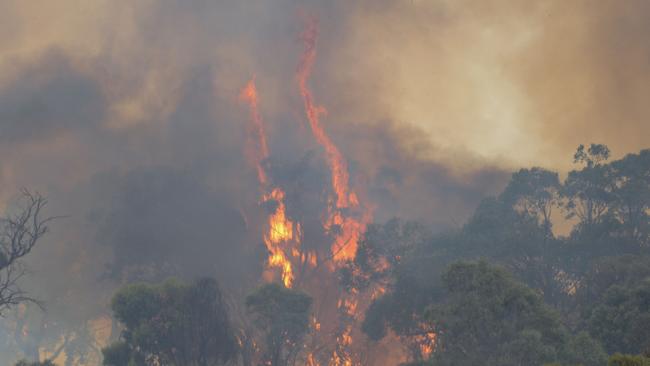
(350, 228)
(280, 231)
(280, 235)
(335, 160)
(257, 148)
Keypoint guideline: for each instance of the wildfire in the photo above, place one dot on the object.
(280, 231)
(282, 238)
(426, 342)
(349, 228)
(345, 221)
(257, 149)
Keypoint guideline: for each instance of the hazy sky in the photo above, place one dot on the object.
(510, 82)
(432, 102)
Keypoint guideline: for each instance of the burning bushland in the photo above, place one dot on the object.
(248, 184)
(335, 337)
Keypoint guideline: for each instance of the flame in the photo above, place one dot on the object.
(280, 232)
(345, 220)
(257, 149)
(349, 228)
(311, 361)
(282, 238)
(280, 228)
(426, 344)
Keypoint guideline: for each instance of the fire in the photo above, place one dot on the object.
(257, 148)
(280, 232)
(427, 342)
(344, 220)
(280, 228)
(282, 239)
(350, 228)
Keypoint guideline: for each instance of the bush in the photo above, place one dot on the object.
(628, 360)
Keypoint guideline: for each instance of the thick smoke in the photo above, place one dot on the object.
(126, 117)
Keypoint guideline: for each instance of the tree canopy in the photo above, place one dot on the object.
(172, 324)
(283, 316)
(563, 299)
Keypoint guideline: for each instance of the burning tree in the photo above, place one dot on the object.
(313, 268)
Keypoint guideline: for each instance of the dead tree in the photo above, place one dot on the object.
(20, 231)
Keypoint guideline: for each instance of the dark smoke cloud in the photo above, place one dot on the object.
(47, 98)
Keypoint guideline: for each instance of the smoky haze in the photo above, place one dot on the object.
(125, 115)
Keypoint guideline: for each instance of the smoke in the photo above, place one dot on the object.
(126, 117)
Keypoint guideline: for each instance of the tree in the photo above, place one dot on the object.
(534, 192)
(172, 324)
(488, 318)
(283, 315)
(628, 360)
(398, 257)
(631, 196)
(622, 319)
(624, 271)
(508, 231)
(19, 234)
(588, 192)
(36, 363)
(584, 350)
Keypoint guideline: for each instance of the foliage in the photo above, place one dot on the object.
(36, 363)
(283, 316)
(622, 319)
(585, 350)
(596, 276)
(488, 318)
(172, 324)
(628, 360)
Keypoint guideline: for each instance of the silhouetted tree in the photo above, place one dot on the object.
(535, 193)
(20, 231)
(486, 318)
(588, 192)
(283, 316)
(172, 324)
(36, 363)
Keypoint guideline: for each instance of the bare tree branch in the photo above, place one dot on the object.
(19, 233)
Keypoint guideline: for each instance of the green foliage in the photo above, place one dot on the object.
(596, 277)
(488, 318)
(283, 315)
(584, 350)
(622, 319)
(628, 360)
(35, 363)
(171, 324)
